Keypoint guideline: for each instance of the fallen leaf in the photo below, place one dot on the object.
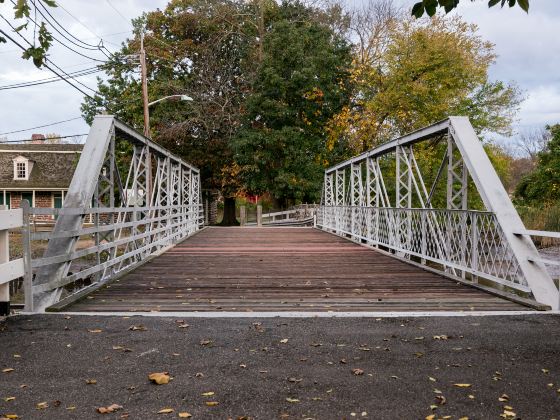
(42, 405)
(11, 416)
(110, 409)
(294, 380)
(357, 371)
(545, 371)
(91, 381)
(504, 398)
(205, 342)
(292, 400)
(137, 328)
(7, 370)
(185, 415)
(508, 414)
(432, 379)
(8, 399)
(159, 378)
(207, 394)
(441, 400)
(284, 340)
(212, 403)
(165, 411)
(440, 337)
(71, 407)
(462, 385)
(95, 331)
(431, 417)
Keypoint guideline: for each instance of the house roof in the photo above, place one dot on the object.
(53, 164)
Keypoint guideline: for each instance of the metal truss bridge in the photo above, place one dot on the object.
(420, 223)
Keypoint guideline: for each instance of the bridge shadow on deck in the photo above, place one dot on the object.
(283, 269)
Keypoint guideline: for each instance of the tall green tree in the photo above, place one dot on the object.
(543, 184)
(301, 83)
(204, 49)
(421, 73)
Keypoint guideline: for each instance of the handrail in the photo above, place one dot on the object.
(10, 270)
(543, 233)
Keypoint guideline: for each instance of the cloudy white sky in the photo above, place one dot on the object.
(528, 47)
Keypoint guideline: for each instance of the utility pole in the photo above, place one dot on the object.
(144, 75)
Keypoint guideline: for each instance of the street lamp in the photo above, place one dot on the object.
(181, 97)
(147, 111)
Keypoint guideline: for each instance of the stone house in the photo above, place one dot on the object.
(39, 173)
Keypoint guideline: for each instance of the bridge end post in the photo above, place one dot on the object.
(242, 215)
(259, 215)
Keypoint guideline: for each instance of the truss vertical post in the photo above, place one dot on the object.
(340, 197)
(356, 197)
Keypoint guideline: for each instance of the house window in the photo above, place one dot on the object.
(21, 170)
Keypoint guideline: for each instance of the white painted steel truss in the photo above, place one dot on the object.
(129, 200)
(388, 203)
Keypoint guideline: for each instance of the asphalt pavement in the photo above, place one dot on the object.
(71, 367)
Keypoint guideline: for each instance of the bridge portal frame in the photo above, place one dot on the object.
(133, 211)
(464, 241)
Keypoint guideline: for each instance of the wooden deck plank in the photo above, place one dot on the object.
(283, 269)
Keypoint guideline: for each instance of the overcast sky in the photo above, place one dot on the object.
(528, 47)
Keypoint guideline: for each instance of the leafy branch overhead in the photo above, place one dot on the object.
(430, 6)
(38, 51)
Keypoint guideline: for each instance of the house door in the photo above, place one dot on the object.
(27, 196)
(57, 198)
(7, 203)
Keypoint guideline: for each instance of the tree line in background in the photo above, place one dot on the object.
(283, 90)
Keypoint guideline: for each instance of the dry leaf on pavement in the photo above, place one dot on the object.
(159, 378)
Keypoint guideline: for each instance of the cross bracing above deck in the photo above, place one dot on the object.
(433, 195)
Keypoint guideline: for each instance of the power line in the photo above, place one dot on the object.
(57, 40)
(87, 46)
(77, 20)
(116, 10)
(45, 139)
(39, 82)
(41, 126)
(47, 60)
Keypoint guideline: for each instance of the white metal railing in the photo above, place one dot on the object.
(119, 240)
(543, 234)
(296, 214)
(460, 241)
(10, 270)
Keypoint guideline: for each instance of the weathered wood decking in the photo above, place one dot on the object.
(283, 269)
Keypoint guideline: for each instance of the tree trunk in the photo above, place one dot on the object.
(229, 212)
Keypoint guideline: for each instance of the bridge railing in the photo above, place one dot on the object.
(299, 213)
(109, 243)
(465, 243)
